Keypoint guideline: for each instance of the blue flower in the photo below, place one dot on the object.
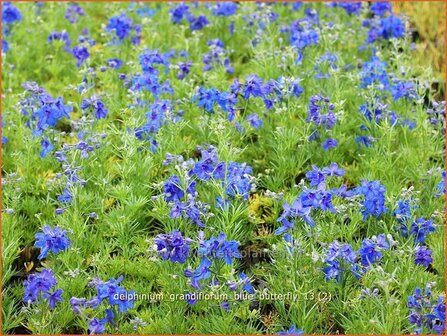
(179, 12)
(197, 23)
(73, 12)
(403, 89)
(369, 252)
(364, 140)
(114, 63)
(380, 8)
(420, 228)
(99, 109)
(81, 53)
(224, 9)
(10, 13)
(373, 203)
(317, 106)
(374, 72)
(422, 256)
(425, 311)
(38, 286)
(316, 176)
(297, 209)
(122, 25)
(219, 248)
(254, 120)
(51, 239)
(291, 331)
(201, 273)
(349, 7)
(329, 143)
(54, 298)
(173, 246)
(441, 186)
(47, 147)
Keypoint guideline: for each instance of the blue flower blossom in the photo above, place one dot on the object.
(173, 246)
(51, 239)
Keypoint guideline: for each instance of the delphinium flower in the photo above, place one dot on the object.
(211, 250)
(179, 12)
(385, 28)
(81, 53)
(110, 293)
(291, 331)
(286, 87)
(381, 8)
(173, 246)
(244, 282)
(364, 140)
(160, 112)
(291, 213)
(123, 26)
(337, 256)
(436, 114)
(43, 110)
(426, 312)
(197, 22)
(302, 35)
(403, 216)
(349, 7)
(254, 120)
(51, 239)
(183, 69)
(254, 86)
(60, 36)
(114, 63)
(151, 62)
(217, 55)
(99, 109)
(374, 71)
(10, 13)
(321, 111)
(373, 203)
(403, 89)
(370, 252)
(420, 228)
(374, 110)
(38, 288)
(208, 98)
(441, 185)
(73, 12)
(423, 256)
(325, 62)
(219, 248)
(329, 143)
(224, 8)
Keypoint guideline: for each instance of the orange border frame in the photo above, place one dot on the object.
(1, 149)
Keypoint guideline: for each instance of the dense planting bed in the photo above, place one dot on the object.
(230, 168)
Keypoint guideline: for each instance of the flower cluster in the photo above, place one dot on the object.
(10, 15)
(73, 12)
(173, 246)
(373, 203)
(123, 26)
(38, 287)
(109, 292)
(339, 256)
(51, 239)
(211, 250)
(321, 111)
(99, 109)
(309, 199)
(217, 56)
(426, 312)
